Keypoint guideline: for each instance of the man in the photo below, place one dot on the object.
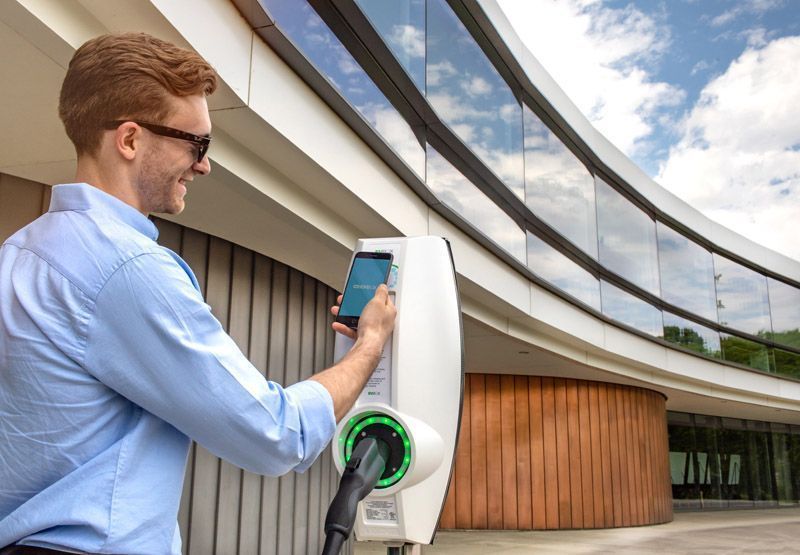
(109, 358)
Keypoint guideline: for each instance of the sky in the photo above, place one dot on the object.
(704, 95)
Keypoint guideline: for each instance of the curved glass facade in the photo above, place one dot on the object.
(457, 192)
(469, 96)
(627, 238)
(564, 273)
(301, 24)
(605, 249)
(557, 183)
(687, 273)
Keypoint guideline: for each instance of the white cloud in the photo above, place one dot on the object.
(737, 160)
(749, 7)
(702, 65)
(437, 72)
(755, 37)
(397, 133)
(410, 39)
(476, 86)
(347, 65)
(598, 55)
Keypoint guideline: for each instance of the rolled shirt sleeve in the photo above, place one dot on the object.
(154, 340)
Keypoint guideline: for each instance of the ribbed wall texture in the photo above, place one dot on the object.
(280, 319)
(551, 453)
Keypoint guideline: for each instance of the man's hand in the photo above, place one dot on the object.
(377, 318)
(346, 379)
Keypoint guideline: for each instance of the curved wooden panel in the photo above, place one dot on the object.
(555, 453)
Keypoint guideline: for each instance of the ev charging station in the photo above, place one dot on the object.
(411, 405)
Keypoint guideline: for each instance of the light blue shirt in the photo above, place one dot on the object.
(110, 361)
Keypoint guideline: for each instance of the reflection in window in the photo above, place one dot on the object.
(732, 463)
(471, 97)
(786, 363)
(742, 300)
(687, 273)
(691, 335)
(558, 187)
(401, 25)
(298, 20)
(466, 199)
(627, 238)
(554, 267)
(630, 310)
(746, 352)
(784, 302)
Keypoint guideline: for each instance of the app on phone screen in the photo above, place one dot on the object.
(367, 274)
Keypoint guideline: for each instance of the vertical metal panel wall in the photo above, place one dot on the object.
(553, 453)
(279, 318)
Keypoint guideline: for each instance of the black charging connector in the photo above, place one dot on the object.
(362, 472)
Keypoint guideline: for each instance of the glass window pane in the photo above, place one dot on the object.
(788, 364)
(738, 467)
(687, 273)
(691, 335)
(782, 463)
(401, 25)
(742, 300)
(298, 20)
(784, 302)
(744, 351)
(709, 477)
(471, 97)
(627, 238)
(558, 187)
(686, 467)
(626, 308)
(745, 463)
(461, 195)
(547, 262)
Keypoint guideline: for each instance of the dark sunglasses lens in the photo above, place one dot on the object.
(202, 149)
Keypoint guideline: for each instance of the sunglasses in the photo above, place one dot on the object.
(202, 143)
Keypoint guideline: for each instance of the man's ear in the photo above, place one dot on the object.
(128, 140)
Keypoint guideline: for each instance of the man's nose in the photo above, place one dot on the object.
(203, 167)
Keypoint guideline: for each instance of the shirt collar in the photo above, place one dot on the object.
(82, 196)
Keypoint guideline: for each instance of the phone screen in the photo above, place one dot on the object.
(365, 277)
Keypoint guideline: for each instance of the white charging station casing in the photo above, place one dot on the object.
(418, 386)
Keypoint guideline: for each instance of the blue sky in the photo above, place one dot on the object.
(704, 95)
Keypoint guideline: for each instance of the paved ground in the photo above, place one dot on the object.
(752, 531)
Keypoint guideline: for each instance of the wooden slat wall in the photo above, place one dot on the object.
(280, 319)
(555, 453)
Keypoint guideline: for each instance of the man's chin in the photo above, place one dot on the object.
(172, 210)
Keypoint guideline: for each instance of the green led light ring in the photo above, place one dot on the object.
(367, 419)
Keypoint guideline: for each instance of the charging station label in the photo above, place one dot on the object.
(379, 384)
(394, 272)
(380, 510)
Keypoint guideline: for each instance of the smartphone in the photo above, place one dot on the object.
(369, 270)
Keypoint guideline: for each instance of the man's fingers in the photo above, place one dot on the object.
(382, 292)
(338, 327)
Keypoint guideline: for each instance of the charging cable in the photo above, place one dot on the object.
(362, 472)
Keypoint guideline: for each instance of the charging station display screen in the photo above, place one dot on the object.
(365, 277)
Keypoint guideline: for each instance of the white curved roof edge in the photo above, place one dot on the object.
(619, 163)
